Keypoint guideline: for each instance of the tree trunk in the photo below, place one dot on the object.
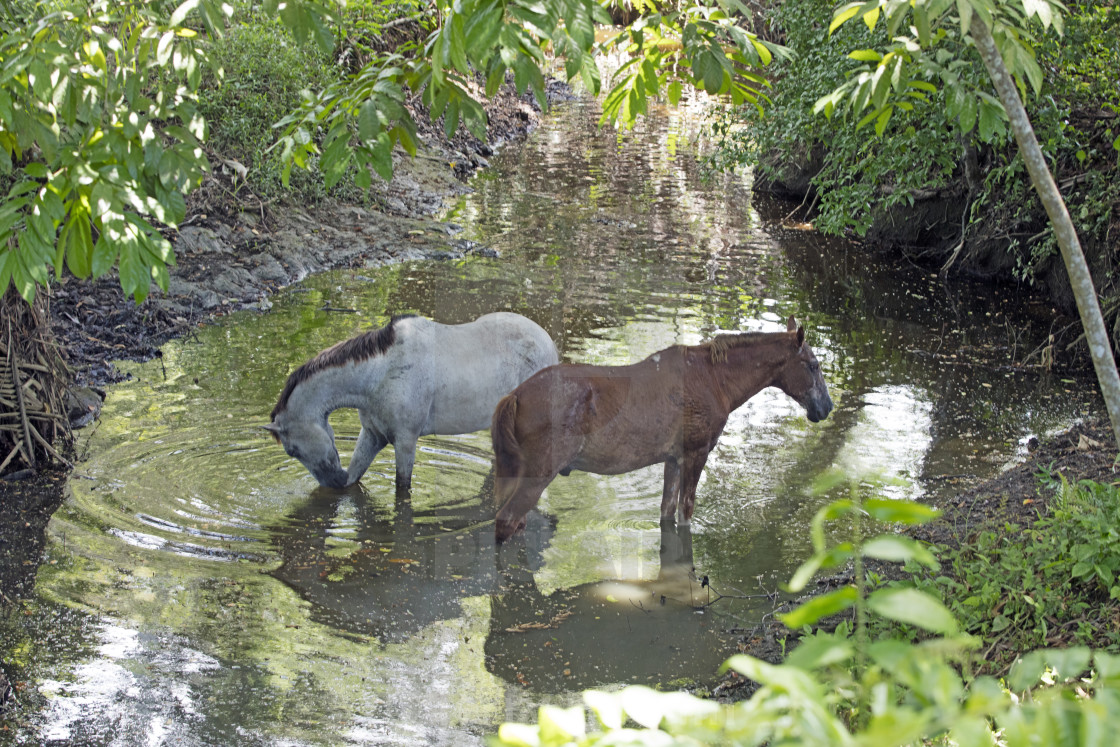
(1081, 281)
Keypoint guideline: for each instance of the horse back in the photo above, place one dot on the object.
(457, 373)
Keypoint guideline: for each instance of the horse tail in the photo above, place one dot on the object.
(507, 452)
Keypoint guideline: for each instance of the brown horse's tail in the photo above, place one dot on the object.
(507, 452)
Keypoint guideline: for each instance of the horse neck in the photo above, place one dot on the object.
(749, 368)
(335, 387)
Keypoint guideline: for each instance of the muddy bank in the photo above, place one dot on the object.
(932, 230)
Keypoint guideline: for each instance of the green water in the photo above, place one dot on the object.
(200, 589)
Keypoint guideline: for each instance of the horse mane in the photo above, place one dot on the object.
(718, 346)
(358, 348)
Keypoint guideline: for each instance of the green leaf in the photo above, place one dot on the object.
(913, 607)
(164, 48)
(870, 18)
(804, 573)
(607, 707)
(709, 69)
(899, 511)
(815, 652)
(78, 240)
(675, 89)
(182, 12)
(819, 607)
(883, 119)
(842, 15)
(561, 725)
(899, 550)
(104, 256)
(865, 55)
(519, 735)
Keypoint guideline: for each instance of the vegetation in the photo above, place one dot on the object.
(861, 178)
(868, 682)
(931, 43)
(262, 74)
(1056, 582)
(103, 105)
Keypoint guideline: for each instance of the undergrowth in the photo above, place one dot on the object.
(265, 72)
(1054, 583)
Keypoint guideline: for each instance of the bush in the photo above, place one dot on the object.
(265, 72)
(858, 177)
(1051, 583)
(861, 175)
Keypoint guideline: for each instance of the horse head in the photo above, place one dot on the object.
(312, 443)
(801, 378)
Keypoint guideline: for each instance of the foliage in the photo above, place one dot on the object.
(859, 177)
(1049, 583)
(842, 688)
(90, 154)
(862, 177)
(920, 58)
(480, 41)
(264, 72)
(359, 36)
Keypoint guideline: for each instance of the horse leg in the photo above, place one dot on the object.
(370, 442)
(672, 489)
(405, 448)
(690, 477)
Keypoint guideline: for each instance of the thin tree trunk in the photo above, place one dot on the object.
(1079, 278)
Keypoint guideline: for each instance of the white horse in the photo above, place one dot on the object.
(411, 378)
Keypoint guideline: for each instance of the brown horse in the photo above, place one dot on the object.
(669, 408)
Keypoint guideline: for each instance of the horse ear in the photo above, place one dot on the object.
(800, 335)
(791, 324)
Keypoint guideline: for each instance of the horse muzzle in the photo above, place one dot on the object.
(818, 408)
(331, 476)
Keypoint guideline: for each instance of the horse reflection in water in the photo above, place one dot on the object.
(636, 632)
(669, 408)
(408, 567)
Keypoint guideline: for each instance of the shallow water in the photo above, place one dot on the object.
(200, 589)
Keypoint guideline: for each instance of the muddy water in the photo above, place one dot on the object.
(200, 589)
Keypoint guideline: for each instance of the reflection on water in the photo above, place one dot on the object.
(200, 588)
(606, 631)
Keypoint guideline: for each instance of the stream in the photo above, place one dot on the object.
(200, 589)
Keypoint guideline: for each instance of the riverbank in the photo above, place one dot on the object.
(1016, 499)
(593, 259)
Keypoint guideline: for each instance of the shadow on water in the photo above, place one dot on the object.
(401, 570)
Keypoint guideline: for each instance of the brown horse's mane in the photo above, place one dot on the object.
(718, 346)
(359, 348)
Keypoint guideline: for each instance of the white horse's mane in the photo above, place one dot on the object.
(358, 348)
